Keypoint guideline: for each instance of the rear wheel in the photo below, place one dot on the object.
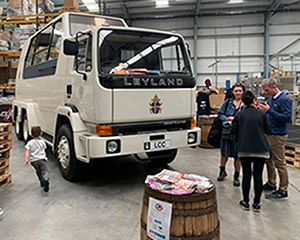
(19, 129)
(162, 158)
(25, 128)
(71, 168)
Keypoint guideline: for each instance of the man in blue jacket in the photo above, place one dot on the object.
(279, 112)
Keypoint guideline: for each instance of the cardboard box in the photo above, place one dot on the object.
(70, 5)
(216, 100)
(8, 71)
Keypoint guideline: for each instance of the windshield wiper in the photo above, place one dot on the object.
(175, 72)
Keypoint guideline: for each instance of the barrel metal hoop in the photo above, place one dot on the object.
(180, 198)
(211, 235)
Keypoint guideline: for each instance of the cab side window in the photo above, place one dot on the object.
(41, 59)
(84, 56)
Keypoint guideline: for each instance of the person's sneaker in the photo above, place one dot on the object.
(277, 195)
(1, 211)
(222, 176)
(268, 187)
(42, 184)
(244, 205)
(46, 186)
(256, 207)
(236, 182)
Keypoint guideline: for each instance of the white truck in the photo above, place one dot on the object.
(100, 89)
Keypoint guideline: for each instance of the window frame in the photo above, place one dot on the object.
(46, 68)
(111, 81)
(86, 36)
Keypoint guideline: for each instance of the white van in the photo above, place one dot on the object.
(101, 89)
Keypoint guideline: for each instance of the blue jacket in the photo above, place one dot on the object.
(230, 112)
(280, 113)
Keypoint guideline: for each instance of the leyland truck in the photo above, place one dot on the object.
(100, 89)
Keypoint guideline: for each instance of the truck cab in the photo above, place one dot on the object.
(100, 89)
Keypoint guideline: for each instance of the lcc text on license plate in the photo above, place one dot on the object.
(157, 144)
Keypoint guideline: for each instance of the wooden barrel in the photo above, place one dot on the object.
(194, 217)
(205, 123)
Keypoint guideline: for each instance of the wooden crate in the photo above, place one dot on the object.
(5, 128)
(5, 179)
(4, 171)
(5, 137)
(5, 146)
(4, 155)
(292, 155)
(4, 163)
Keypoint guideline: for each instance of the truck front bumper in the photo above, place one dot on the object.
(92, 146)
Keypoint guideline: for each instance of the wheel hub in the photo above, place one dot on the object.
(64, 152)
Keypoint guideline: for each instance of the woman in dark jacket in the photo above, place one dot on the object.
(226, 114)
(250, 126)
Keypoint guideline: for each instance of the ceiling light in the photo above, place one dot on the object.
(162, 3)
(90, 4)
(236, 1)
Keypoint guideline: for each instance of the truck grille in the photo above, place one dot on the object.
(150, 127)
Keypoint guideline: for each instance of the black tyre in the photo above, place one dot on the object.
(19, 129)
(71, 168)
(162, 158)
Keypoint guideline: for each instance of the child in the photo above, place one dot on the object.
(250, 127)
(35, 148)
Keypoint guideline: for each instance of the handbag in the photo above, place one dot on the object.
(215, 133)
(226, 131)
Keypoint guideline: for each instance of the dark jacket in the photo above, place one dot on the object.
(250, 126)
(203, 104)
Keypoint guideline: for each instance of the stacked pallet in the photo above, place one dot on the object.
(292, 155)
(5, 146)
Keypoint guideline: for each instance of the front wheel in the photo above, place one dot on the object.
(71, 168)
(162, 158)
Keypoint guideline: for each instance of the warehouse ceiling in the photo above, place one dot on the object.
(152, 9)
(149, 9)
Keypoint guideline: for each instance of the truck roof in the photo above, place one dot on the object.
(121, 24)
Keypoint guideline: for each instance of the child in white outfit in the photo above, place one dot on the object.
(35, 150)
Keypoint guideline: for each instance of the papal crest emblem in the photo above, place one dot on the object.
(155, 105)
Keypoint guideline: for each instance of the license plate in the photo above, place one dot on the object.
(162, 144)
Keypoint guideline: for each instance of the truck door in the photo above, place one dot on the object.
(79, 83)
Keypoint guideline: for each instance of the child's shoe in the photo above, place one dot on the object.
(46, 186)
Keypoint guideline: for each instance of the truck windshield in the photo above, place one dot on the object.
(123, 52)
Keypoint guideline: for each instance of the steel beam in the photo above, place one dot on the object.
(267, 44)
(196, 47)
(123, 5)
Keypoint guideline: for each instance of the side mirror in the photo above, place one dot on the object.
(71, 47)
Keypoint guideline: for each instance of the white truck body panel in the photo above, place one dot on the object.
(45, 99)
(175, 104)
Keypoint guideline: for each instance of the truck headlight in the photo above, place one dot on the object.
(192, 138)
(113, 146)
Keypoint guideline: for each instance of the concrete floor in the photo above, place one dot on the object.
(107, 205)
